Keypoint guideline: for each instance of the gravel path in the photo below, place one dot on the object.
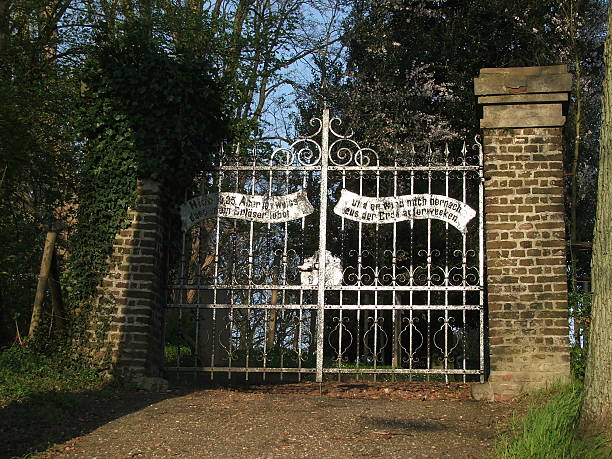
(343, 420)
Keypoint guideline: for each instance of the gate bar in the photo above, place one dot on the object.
(322, 241)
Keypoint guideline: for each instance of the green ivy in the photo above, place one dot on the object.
(145, 113)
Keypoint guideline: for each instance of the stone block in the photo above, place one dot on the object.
(522, 115)
(519, 85)
(523, 97)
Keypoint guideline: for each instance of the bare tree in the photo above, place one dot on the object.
(255, 41)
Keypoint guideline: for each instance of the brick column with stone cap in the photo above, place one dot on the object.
(524, 227)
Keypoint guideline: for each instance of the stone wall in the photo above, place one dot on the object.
(135, 288)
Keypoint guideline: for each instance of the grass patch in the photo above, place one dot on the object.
(40, 396)
(24, 374)
(548, 429)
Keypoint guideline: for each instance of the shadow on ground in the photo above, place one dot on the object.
(416, 426)
(49, 418)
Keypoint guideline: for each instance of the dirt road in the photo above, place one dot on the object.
(341, 420)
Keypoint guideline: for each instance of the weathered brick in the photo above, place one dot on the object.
(525, 252)
(135, 283)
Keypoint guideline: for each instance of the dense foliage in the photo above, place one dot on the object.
(143, 114)
(580, 322)
(36, 170)
(409, 67)
(100, 94)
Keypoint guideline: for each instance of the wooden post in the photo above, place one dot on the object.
(45, 268)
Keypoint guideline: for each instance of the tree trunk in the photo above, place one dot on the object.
(596, 414)
(45, 268)
(242, 10)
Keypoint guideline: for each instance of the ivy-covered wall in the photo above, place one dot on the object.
(149, 119)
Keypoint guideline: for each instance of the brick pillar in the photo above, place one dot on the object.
(135, 287)
(524, 227)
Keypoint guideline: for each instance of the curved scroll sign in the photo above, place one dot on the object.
(392, 209)
(256, 208)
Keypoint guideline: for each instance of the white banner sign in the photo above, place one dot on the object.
(256, 208)
(392, 209)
